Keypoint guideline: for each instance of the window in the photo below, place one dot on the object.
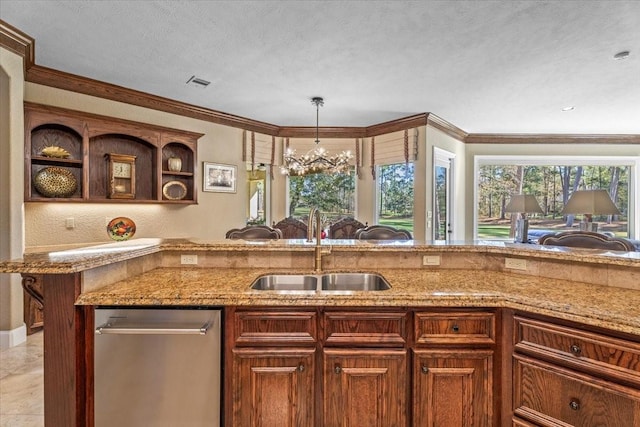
(395, 195)
(551, 181)
(258, 184)
(333, 194)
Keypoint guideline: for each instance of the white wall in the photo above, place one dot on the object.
(12, 330)
(439, 139)
(214, 214)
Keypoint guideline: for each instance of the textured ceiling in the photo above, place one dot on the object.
(485, 66)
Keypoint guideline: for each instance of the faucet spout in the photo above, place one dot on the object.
(314, 213)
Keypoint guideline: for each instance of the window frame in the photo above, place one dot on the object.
(633, 162)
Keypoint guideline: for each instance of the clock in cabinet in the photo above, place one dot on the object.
(122, 176)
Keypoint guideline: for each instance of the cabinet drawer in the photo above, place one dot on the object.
(455, 328)
(352, 328)
(595, 353)
(265, 327)
(548, 395)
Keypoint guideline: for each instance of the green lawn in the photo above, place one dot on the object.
(403, 223)
(493, 232)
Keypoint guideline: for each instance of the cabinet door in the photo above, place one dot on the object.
(452, 388)
(552, 396)
(273, 388)
(365, 388)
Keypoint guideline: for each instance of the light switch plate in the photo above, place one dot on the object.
(188, 259)
(515, 263)
(431, 260)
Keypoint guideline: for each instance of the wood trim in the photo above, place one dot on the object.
(323, 132)
(67, 377)
(551, 138)
(19, 43)
(408, 122)
(446, 127)
(81, 115)
(61, 80)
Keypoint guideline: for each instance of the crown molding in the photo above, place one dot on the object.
(551, 138)
(323, 132)
(446, 127)
(403, 123)
(19, 43)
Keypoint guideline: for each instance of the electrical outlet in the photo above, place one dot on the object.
(431, 260)
(515, 263)
(188, 259)
(70, 223)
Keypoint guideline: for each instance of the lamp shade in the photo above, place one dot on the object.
(523, 203)
(596, 202)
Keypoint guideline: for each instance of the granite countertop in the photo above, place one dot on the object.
(71, 259)
(607, 307)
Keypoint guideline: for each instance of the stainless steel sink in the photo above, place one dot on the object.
(321, 282)
(285, 282)
(354, 282)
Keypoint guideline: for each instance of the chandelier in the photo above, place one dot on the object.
(317, 160)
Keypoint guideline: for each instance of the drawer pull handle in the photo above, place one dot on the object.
(575, 349)
(424, 369)
(301, 367)
(574, 404)
(337, 369)
(455, 328)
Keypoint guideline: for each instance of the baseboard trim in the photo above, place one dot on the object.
(13, 337)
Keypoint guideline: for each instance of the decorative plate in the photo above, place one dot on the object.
(55, 182)
(121, 228)
(174, 190)
(55, 151)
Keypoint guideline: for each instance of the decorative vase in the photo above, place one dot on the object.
(175, 164)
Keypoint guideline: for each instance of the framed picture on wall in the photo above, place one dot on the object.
(219, 178)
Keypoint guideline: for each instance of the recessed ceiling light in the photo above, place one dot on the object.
(198, 82)
(621, 55)
(569, 108)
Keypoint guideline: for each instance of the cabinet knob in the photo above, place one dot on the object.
(455, 328)
(424, 369)
(575, 349)
(301, 367)
(574, 404)
(337, 369)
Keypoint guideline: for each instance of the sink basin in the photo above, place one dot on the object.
(285, 282)
(321, 282)
(354, 282)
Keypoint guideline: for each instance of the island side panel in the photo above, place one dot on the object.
(65, 349)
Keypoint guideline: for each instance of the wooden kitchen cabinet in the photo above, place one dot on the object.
(549, 395)
(271, 367)
(67, 153)
(273, 387)
(453, 373)
(365, 387)
(339, 367)
(566, 374)
(452, 388)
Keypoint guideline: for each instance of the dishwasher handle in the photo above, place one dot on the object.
(108, 328)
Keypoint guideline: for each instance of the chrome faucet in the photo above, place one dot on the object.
(315, 213)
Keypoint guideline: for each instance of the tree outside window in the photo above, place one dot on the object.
(333, 194)
(395, 195)
(552, 185)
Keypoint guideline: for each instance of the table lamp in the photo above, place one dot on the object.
(522, 204)
(589, 203)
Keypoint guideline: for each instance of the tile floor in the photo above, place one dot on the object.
(21, 384)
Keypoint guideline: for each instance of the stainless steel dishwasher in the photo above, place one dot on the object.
(157, 367)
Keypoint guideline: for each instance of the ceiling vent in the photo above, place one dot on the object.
(198, 82)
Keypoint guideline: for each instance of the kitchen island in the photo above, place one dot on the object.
(598, 289)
